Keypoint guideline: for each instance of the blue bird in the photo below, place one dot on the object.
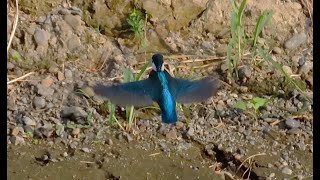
(161, 88)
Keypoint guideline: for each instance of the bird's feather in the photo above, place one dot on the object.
(139, 93)
(186, 91)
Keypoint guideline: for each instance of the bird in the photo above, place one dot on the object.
(159, 87)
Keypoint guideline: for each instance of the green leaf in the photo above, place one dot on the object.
(258, 102)
(240, 105)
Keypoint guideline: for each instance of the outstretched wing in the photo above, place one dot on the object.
(186, 91)
(139, 93)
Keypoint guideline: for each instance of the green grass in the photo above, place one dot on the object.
(137, 22)
(238, 40)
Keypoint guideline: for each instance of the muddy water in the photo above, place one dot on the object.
(128, 161)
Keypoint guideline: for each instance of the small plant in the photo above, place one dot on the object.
(238, 39)
(234, 50)
(255, 104)
(136, 22)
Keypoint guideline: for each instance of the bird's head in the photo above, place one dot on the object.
(157, 63)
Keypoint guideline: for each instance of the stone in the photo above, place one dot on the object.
(28, 121)
(47, 82)
(286, 170)
(39, 102)
(295, 41)
(41, 37)
(73, 43)
(60, 76)
(292, 123)
(73, 21)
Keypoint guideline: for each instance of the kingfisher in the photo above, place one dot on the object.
(162, 88)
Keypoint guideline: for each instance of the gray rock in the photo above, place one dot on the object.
(73, 21)
(74, 113)
(73, 43)
(286, 170)
(44, 91)
(295, 41)
(68, 74)
(10, 66)
(244, 72)
(28, 121)
(16, 140)
(39, 102)
(127, 137)
(190, 131)
(109, 142)
(41, 37)
(306, 67)
(292, 123)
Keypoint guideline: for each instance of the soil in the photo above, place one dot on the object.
(55, 131)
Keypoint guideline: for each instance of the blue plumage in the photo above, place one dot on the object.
(160, 87)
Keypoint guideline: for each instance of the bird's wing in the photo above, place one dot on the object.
(139, 93)
(186, 91)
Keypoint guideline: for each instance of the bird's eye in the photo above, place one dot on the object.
(154, 67)
(162, 67)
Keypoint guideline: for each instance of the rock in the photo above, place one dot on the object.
(47, 82)
(109, 142)
(244, 72)
(60, 76)
(292, 123)
(172, 134)
(53, 69)
(29, 129)
(287, 69)
(16, 140)
(190, 131)
(43, 91)
(224, 33)
(286, 170)
(179, 125)
(127, 137)
(41, 37)
(39, 102)
(76, 131)
(73, 21)
(86, 150)
(73, 43)
(10, 66)
(277, 50)
(68, 74)
(15, 131)
(88, 91)
(295, 41)
(74, 113)
(28, 121)
(306, 67)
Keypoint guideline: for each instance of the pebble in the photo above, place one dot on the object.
(244, 72)
(277, 50)
(39, 102)
(16, 140)
(10, 66)
(295, 41)
(292, 123)
(73, 21)
(15, 131)
(28, 121)
(86, 150)
(306, 67)
(60, 76)
(73, 43)
(286, 170)
(65, 154)
(68, 74)
(109, 142)
(190, 131)
(47, 82)
(287, 69)
(73, 113)
(41, 37)
(172, 134)
(127, 137)
(76, 131)
(43, 91)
